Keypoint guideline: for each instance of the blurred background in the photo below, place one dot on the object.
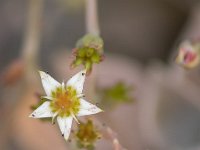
(141, 37)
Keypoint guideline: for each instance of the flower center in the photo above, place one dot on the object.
(65, 101)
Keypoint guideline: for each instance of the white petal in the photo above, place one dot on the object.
(42, 111)
(65, 125)
(49, 83)
(63, 86)
(87, 108)
(77, 81)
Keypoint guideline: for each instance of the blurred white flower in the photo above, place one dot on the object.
(65, 101)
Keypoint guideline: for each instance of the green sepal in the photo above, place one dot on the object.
(77, 62)
(95, 58)
(82, 52)
(90, 52)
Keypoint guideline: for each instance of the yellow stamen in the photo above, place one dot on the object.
(65, 101)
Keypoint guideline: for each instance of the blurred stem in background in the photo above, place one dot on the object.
(21, 70)
(32, 36)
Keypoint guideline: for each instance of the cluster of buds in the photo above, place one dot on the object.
(188, 54)
(88, 51)
(87, 135)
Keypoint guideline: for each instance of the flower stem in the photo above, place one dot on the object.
(92, 27)
(92, 23)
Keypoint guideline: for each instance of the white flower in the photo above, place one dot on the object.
(65, 101)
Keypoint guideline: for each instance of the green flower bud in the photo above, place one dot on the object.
(117, 94)
(87, 135)
(89, 50)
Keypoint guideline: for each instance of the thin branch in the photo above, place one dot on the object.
(108, 133)
(92, 23)
(114, 139)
